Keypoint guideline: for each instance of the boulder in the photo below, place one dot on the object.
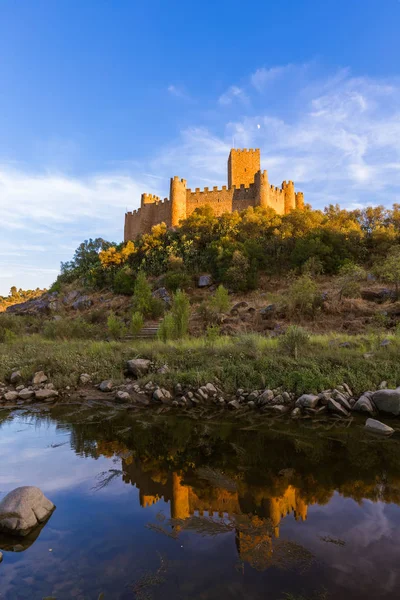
(364, 404)
(239, 306)
(266, 397)
(106, 385)
(30, 307)
(379, 296)
(11, 396)
(163, 295)
(82, 302)
(85, 378)
(307, 401)
(138, 366)
(15, 377)
(26, 394)
(23, 509)
(204, 281)
(162, 395)
(211, 389)
(378, 427)
(337, 408)
(122, 396)
(387, 401)
(267, 310)
(70, 297)
(296, 413)
(340, 398)
(39, 378)
(233, 405)
(45, 395)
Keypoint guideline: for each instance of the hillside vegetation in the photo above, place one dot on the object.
(323, 270)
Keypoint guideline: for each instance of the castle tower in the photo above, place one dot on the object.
(300, 200)
(242, 167)
(179, 498)
(262, 189)
(178, 200)
(148, 199)
(290, 198)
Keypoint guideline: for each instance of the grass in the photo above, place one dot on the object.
(248, 361)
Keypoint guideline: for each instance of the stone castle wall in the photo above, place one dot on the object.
(247, 186)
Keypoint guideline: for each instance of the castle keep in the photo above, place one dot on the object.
(247, 186)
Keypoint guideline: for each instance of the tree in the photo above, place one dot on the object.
(142, 296)
(389, 270)
(350, 277)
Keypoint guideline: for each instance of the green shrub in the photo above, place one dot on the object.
(124, 282)
(294, 338)
(313, 266)
(166, 331)
(350, 278)
(143, 301)
(212, 334)
(303, 296)
(220, 301)
(137, 323)
(116, 327)
(237, 275)
(9, 336)
(389, 269)
(157, 308)
(142, 297)
(10, 324)
(69, 329)
(180, 311)
(177, 280)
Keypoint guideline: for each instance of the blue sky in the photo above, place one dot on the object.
(101, 100)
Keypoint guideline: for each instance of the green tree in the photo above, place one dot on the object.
(303, 296)
(142, 296)
(180, 311)
(350, 278)
(220, 301)
(116, 327)
(389, 269)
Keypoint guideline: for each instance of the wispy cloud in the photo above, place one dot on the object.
(233, 93)
(261, 77)
(177, 91)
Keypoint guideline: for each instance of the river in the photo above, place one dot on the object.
(154, 506)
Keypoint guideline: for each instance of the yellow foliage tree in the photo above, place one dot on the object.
(114, 258)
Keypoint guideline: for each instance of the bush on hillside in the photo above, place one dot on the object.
(303, 297)
(116, 327)
(294, 339)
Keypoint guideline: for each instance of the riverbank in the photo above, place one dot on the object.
(329, 375)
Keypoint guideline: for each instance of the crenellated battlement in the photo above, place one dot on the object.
(248, 186)
(245, 150)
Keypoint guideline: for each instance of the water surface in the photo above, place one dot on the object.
(153, 506)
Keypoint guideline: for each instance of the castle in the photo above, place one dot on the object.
(247, 186)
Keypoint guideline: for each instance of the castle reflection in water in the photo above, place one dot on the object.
(186, 500)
